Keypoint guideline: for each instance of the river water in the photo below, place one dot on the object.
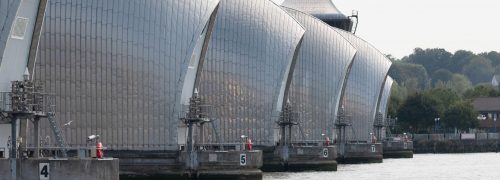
(422, 166)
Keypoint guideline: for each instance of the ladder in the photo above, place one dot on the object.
(57, 133)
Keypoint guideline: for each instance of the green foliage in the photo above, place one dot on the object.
(459, 60)
(431, 59)
(417, 99)
(440, 99)
(479, 69)
(413, 75)
(417, 113)
(497, 69)
(460, 83)
(442, 75)
(441, 65)
(398, 95)
(482, 91)
(460, 115)
(493, 56)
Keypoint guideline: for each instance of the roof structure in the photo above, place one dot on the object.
(321, 9)
(495, 81)
(486, 104)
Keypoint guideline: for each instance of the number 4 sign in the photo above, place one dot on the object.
(44, 170)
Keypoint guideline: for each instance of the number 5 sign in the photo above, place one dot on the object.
(243, 159)
(44, 170)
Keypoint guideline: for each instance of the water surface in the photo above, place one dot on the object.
(422, 166)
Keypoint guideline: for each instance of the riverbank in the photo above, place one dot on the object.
(455, 143)
(455, 146)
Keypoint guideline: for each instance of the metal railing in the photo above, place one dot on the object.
(457, 136)
(219, 146)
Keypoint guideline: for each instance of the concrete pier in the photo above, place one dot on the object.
(62, 169)
(398, 149)
(225, 165)
(211, 165)
(355, 153)
(301, 158)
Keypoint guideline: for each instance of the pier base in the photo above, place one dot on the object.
(301, 158)
(172, 165)
(211, 165)
(62, 169)
(357, 153)
(398, 149)
(225, 165)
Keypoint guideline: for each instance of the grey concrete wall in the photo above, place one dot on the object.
(227, 160)
(28, 169)
(362, 150)
(311, 154)
(455, 146)
(397, 146)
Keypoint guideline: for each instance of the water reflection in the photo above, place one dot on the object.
(422, 166)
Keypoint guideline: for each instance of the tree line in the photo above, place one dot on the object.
(435, 83)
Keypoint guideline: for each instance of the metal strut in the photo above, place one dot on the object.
(378, 125)
(57, 133)
(197, 114)
(343, 120)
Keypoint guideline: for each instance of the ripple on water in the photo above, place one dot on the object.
(422, 166)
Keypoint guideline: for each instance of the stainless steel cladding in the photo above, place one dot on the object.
(319, 75)
(117, 67)
(386, 94)
(321, 9)
(8, 10)
(363, 88)
(249, 55)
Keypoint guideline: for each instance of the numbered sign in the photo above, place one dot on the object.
(325, 152)
(243, 159)
(373, 148)
(44, 171)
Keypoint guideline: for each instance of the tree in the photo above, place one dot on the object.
(402, 72)
(493, 56)
(440, 99)
(482, 91)
(398, 95)
(459, 60)
(497, 69)
(441, 75)
(479, 69)
(459, 83)
(460, 115)
(431, 59)
(417, 113)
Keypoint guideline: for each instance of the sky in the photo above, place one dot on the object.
(397, 27)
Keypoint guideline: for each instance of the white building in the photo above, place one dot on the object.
(495, 80)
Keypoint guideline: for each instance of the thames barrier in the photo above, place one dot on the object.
(191, 89)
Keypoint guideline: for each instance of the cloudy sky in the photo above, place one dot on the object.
(398, 26)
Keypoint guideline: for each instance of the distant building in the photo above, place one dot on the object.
(489, 112)
(495, 81)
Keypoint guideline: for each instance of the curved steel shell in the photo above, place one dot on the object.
(8, 10)
(249, 54)
(319, 74)
(322, 9)
(384, 101)
(386, 93)
(363, 88)
(117, 67)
